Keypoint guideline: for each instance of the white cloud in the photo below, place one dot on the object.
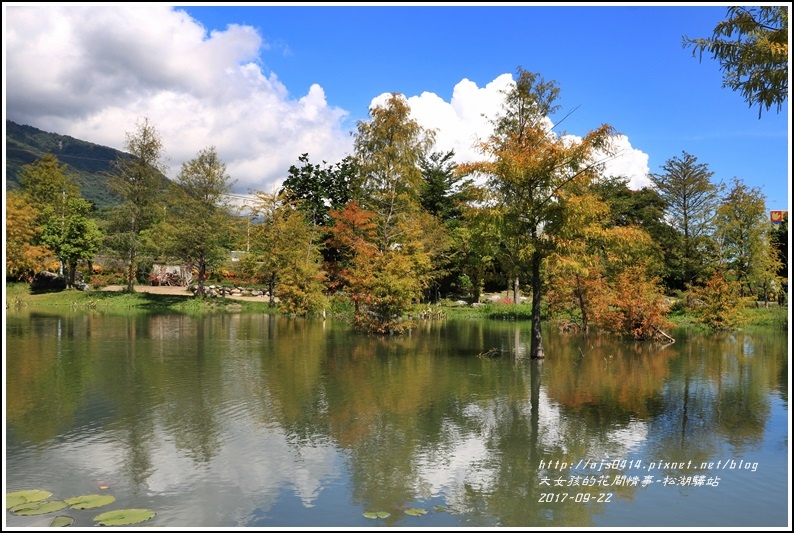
(629, 162)
(464, 120)
(92, 72)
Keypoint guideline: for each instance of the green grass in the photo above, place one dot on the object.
(772, 317)
(19, 295)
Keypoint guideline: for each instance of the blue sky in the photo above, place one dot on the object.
(265, 83)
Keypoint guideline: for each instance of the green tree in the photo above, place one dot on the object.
(73, 237)
(477, 243)
(46, 182)
(50, 186)
(528, 168)
(301, 279)
(744, 233)
(444, 192)
(642, 209)
(388, 150)
(627, 207)
(752, 49)
(265, 238)
(286, 253)
(137, 182)
(443, 196)
(691, 200)
(780, 243)
(202, 215)
(317, 189)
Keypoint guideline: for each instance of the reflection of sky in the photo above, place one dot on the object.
(254, 468)
(222, 491)
(226, 491)
(467, 463)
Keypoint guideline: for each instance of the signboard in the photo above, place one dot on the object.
(776, 217)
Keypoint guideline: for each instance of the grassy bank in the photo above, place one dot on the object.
(19, 295)
(773, 316)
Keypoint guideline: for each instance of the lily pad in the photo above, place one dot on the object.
(122, 517)
(62, 521)
(90, 501)
(413, 511)
(37, 508)
(377, 514)
(24, 496)
(439, 508)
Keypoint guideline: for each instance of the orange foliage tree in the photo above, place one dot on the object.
(528, 166)
(381, 284)
(23, 257)
(637, 306)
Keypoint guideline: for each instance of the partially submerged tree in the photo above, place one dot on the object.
(389, 149)
(528, 168)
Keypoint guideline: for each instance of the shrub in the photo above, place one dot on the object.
(718, 304)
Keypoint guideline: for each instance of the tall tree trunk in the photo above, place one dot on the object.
(131, 270)
(515, 291)
(271, 289)
(202, 275)
(477, 285)
(536, 343)
(72, 273)
(131, 264)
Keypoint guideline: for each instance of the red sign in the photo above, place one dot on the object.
(778, 216)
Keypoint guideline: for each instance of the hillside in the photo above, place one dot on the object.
(90, 163)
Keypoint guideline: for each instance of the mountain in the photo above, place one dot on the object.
(90, 163)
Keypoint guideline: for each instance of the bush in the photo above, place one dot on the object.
(104, 277)
(718, 304)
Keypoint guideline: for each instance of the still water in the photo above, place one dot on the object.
(255, 420)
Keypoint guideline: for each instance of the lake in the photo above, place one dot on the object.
(230, 420)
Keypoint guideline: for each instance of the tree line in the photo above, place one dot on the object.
(398, 223)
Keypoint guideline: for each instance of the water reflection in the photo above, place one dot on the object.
(255, 420)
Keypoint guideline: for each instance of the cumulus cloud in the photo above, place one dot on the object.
(460, 123)
(92, 72)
